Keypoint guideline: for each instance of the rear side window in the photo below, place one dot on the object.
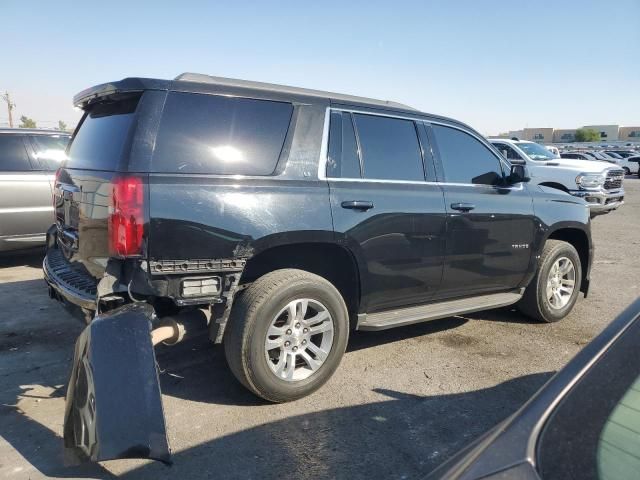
(465, 159)
(343, 161)
(389, 148)
(102, 135)
(13, 155)
(212, 134)
(50, 150)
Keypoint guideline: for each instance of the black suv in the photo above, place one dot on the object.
(291, 217)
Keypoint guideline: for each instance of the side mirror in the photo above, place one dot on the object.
(518, 174)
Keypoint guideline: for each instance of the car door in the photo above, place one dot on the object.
(384, 210)
(25, 196)
(490, 226)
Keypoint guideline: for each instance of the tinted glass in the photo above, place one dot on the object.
(13, 156)
(389, 148)
(100, 140)
(343, 161)
(465, 159)
(50, 150)
(220, 135)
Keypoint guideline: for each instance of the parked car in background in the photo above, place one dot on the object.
(582, 424)
(578, 156)
(598, 182)
(604, 156)
(623, 153)
(293, 217)
(28, 161)
(630, 164)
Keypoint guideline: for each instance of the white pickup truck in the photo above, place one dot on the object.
(599, 183)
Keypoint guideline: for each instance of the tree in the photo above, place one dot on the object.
(62, 125)
(587, 135)
(26, 122)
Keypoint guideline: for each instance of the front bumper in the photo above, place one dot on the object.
(601, 201)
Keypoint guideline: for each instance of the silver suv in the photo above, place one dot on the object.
(29, 159)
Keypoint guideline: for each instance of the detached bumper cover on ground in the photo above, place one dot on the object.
(113, 406)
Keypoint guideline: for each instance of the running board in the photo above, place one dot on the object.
(434, 311)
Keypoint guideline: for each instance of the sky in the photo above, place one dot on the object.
(496, 65)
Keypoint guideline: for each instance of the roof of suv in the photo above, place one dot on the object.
(201, 83)
(33, 131)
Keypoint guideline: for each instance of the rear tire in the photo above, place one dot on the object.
(547, 298)
(281, 310)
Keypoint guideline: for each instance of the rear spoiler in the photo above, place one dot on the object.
(113, 90)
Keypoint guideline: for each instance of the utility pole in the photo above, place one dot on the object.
(10, 107)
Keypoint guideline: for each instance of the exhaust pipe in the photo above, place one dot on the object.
(175, 328)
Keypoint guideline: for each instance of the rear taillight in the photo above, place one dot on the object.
(126, 218)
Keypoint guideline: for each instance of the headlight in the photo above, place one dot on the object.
(590, 180)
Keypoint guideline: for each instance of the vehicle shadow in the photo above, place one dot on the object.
(404, 436)
(196, 370)
(30, 258)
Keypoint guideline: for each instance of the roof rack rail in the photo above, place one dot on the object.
(234, 82)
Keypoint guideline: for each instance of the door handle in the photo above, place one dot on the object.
(463, 207)
(363, 205)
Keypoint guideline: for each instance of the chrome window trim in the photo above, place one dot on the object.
(322, 163)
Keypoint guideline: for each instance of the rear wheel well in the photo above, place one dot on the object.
(580, 242)
(330, 261)
(557, 186)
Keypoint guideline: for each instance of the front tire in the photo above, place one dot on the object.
(554, 290)
(286, 335)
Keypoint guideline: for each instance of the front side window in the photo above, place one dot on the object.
(13, 155)
(213, 134)
(465, 159)
(343, 161)
(389, 147)
(507, 151)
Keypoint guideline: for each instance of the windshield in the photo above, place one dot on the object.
(536, 151)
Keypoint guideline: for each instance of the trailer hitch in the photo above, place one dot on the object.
(113, 405)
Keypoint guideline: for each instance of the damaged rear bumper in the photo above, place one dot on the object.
(113, 405)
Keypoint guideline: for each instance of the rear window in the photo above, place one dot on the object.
(212, 134)
(50, 149)
(13, 155)
(99, 142)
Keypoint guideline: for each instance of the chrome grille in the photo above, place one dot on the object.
(614, 180)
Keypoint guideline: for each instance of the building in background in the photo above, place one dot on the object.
(516, 134)
(564, 135)
(629, 134)
(540, 135)
(608, 133)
